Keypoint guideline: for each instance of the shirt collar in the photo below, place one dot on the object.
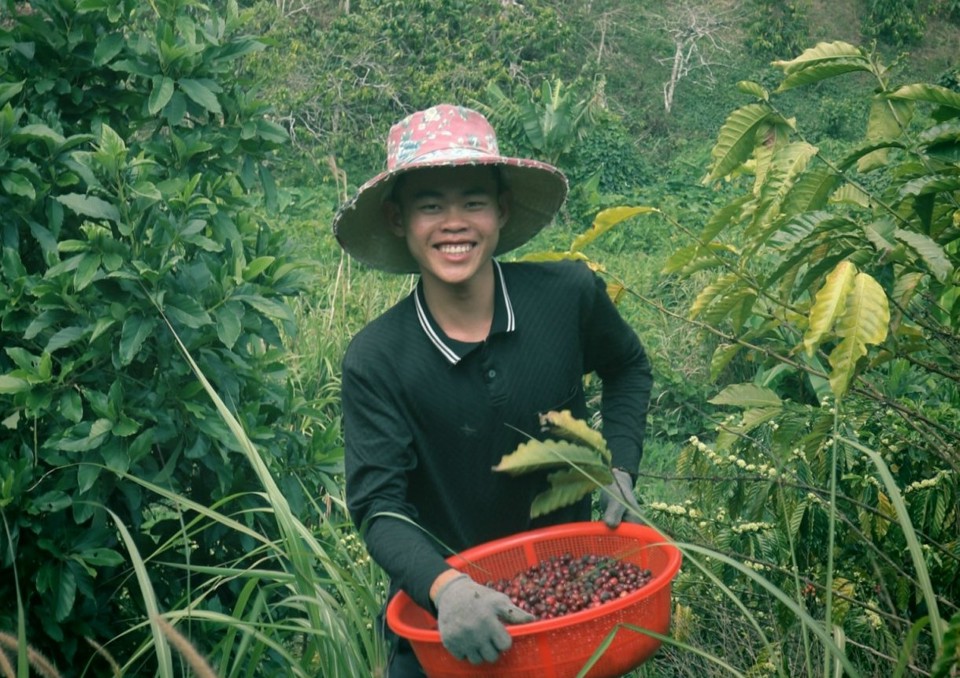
(451, 349)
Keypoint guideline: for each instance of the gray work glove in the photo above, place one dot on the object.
(617, 497)
(469, 615)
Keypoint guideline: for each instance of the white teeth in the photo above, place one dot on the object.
(455, 249)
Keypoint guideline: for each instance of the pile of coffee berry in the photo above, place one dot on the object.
(562, 585)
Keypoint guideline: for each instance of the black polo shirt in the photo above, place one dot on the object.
(427, 417)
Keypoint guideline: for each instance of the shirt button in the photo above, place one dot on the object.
(491, 374)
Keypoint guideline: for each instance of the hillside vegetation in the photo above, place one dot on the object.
(771, 189)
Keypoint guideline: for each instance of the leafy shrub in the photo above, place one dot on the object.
(134, 170)
(776, 28)
(837, 278)
(898, 22)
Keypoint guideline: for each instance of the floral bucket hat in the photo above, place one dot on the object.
(445, 136)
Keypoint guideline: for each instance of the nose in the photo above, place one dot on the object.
(454, 219)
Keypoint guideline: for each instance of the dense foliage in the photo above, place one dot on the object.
(135, 174)
(834, 285)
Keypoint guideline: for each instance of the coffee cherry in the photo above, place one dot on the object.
(563, 584)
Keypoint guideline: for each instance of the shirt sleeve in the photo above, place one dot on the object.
(613, 350)
(378, 455)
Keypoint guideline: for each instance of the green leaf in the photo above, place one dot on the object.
(201, 94)
(722, 356)
(65, 337)
(272, 132)
(17, 184)
(229, 323)
(101, 557)
(885, 124)
(87, 270)
(107, 48)
(99, 430)
(711, 293)
(256, 267)
(268, 307)
(39, 132)
(89, 206)
(160, 94)
(71, 406)
(811, 191)
(66, 592)
(567, 426)
(193, 316)
(929, 251)
(829, 304)
(51, 502)
(87, 475)
(815, 73)
(9, 385)
(746, 396)
(796, 518)
(748, 87)
(566, 487)
(934, 94)
(737, 139)
(135, 331)
(929, 185)
(537, 455)
(821, 53)
(8, 90)
(730, 434)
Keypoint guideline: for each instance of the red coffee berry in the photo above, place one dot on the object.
(564, 584)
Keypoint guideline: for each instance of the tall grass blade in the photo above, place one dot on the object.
(815, 626)
(663, 639)
(162, 649)
(937, 625)
(23, 666)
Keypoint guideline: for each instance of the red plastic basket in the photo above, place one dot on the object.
(559, 647)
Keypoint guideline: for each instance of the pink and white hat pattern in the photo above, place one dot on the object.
(445, 136)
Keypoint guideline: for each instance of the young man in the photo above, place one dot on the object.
(441, 386)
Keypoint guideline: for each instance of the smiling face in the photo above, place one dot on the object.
(451, 219)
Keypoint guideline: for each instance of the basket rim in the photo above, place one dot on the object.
(645, 534)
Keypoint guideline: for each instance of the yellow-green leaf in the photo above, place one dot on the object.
(722, 356)
(823, 52)
(606, 220)
(865, 321)
(737, 139)
(747, 396)
(885, 122)
(569, 427)
(928, 250)
(934, 94)
(829, 304)
(567, 487)
(867, 314)
(536, 455)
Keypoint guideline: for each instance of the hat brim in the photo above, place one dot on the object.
(537, 188)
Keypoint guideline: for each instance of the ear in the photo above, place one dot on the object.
(504, 200)
(393, 216)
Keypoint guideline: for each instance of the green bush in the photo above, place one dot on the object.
(836, 275)
(134, 175)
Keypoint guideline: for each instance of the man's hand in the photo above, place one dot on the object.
(469, 616)
(617, 498)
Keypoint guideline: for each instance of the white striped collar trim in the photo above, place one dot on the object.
(436, 336)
